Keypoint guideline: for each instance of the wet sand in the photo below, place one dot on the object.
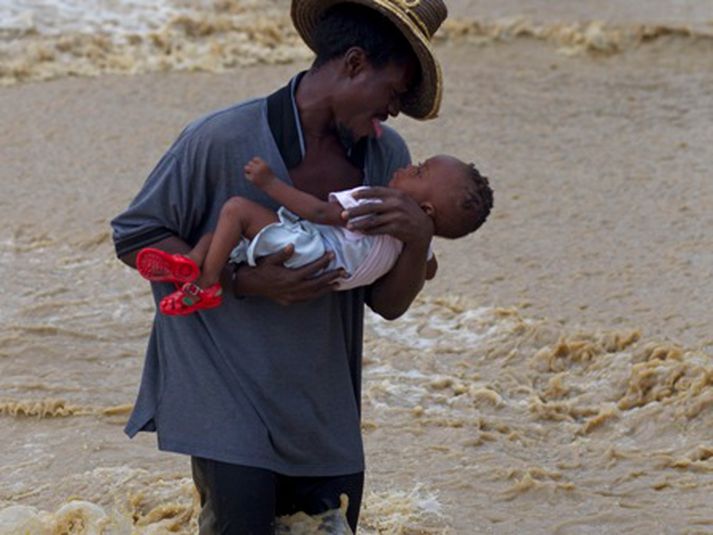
(556, 377)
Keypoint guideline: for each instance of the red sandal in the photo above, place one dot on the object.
(160, 266)
(190, 298)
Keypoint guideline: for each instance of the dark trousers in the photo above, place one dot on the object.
(242, 500)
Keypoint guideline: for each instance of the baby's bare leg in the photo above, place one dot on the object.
(239, 218)
(200, 250)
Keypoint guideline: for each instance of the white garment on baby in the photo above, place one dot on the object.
(364, 257)
(376, 254)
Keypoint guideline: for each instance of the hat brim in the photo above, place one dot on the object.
(424, 100)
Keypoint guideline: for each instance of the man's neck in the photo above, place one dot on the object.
(313, 97)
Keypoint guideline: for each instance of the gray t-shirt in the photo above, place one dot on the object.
(250, 382)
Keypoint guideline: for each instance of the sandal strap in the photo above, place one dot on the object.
(192, 289)
(190, 298)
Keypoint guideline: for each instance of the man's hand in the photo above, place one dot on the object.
(397, 215)
(400, 216)
(271, 279)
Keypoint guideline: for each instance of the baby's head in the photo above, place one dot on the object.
(456, 196)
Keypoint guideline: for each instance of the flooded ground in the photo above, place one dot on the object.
(556, 377)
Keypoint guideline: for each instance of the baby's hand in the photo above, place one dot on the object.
(258, 172)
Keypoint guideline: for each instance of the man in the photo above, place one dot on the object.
(264, 392)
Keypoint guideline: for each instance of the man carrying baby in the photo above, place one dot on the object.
(452, 193)
(264, 392)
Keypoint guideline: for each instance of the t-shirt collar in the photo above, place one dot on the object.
(284, 120)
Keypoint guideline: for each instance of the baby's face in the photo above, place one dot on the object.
(437, 182)
(421, 179)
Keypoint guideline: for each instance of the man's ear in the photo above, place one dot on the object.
(429, 209)
(355, 61)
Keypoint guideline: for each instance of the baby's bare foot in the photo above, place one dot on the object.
(258, 172)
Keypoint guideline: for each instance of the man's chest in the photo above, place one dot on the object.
(320, 174)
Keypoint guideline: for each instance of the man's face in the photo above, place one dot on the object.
(369, 96)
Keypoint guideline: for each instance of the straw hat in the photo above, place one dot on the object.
(417, 20)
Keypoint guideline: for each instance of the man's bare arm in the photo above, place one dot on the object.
(392, 295)
(398, 215)
(431, 268)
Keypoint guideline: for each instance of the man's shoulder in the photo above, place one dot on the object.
(237, 119)
(219, 132)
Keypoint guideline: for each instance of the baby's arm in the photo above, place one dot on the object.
(303, 204)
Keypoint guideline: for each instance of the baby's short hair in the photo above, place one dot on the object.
(476, 202)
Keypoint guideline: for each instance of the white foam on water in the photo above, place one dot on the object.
(54, 17)
(48, 39)
(24, 519)
(157, 507)
(443, 329)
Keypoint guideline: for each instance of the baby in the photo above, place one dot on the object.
(454, 194)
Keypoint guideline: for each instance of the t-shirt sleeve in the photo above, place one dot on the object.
(400, 156)
(170, 203)
(389, 153)
(347, 200)
(346, 197)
